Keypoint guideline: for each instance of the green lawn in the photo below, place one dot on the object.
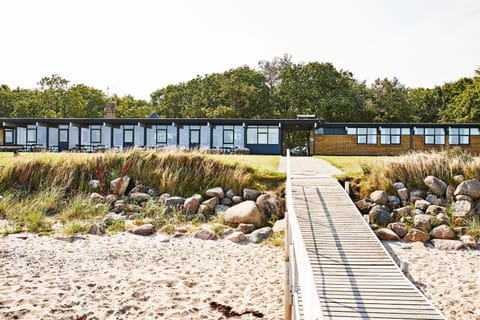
(351, 165)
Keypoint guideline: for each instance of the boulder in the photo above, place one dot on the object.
(444, 244)
(441, 218)
(470, 188)
(434, 209)
(379, 197)
(387, 234)
(246, 227)
(110, 218)
(436, 185)
(416, 235)
(365, 205)
(145, 230)
(280, 226)
(96, 230)
(119, 185)
(140, 197)
(401, 212)
(110, 198)
(433, 199)
(152, 192)
(404, 195)
(417, 195)
(269, 205)
(237, 237)
(94, 184)
(210, 205)
(450, 192)
(226, 201)
(260, 235)
(462, 208)
(399, 228)
(163, 197)
(422, 204)
(119, 206)
(220, 208)
(230, 193)
(191, 204)
(464, 197)
(174, 202)
(442, 232)
(399, 185)
(250, 194)
(393, 202)
(458, 178)
(468, 241)
(205, 235)
(380, 215)
(418, 211)
(237, 199)
(422, 221)
(215, 192)
(245, 212)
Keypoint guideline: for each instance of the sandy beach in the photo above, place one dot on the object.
(451, 279)
(134, 277)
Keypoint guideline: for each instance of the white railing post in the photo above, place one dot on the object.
(301, 277)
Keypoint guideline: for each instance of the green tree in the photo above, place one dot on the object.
(128, 107)
(464, 106)
(6, 101)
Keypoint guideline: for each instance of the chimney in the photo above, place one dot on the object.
(109, 111)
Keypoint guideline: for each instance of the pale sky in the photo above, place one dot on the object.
(136, 47)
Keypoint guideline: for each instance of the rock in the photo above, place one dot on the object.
(110, 198)
(399, 228)
(441, 217)
(387, 234)
(145, 230)
(97, 198)
(269, 205)
(163, 197)
(463, 197)
(205, 235)
(260, 235)
(204, 210)
(470, 188)
(423, 221)
(110, 218)
(191, 204)
(250, 194)
(442, 232)
(416, 235)
(210, 205)
(417, 195)
(450, 192)
(152, 192)
(444, 244)
(380, 215)
(434, 210)
(458, 178)
(379, 197)
(365, 205)
(431, 198)
(181, 229)
(237, 237)
(96, 230)
(174, 202)
(119, 185)
(162, 238)
(245, 212)
(246, 227)
(226, 202)
(237, 199)
(436, 185)
(94, 184)
(280, 226)
(462, 208)
(219, 209)
(119, 206)
(418, 211)
(230, 193)
(393, 202)
(404, 195)
(399, 185)
(401, 212)
(422, 204)
(215, 192)
(468, 241)
(140, 197)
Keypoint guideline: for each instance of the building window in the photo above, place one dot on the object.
(364, 135)
(9, 136)
(228, 135)
(458, 136)
(262, 135)
(31, 135)
(162, 135)
(390, 135)
(95, 135)
(435, 136)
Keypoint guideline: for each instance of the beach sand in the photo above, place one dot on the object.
(134, 277)
(451, 279)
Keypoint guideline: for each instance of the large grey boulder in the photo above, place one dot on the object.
(462, 208)
(250, 194)
(434, 209)
(269, 205)
(215, 192)
(192, 203)
(209, 205)
(417, 195)
(379, 197)
(399, 228)
(470, 188)
(436, 185)
(145, 230)
(423, 221)
(260, 235)
(174, 201)
(422, 204)
(245, 212)
(365, 205)
(399, 185)
(380, 215)
(401, 212)
(404, 195)
(119, 185)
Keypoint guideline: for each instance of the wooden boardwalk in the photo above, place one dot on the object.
(354, 276)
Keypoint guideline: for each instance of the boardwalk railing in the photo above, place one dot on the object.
(301, 286)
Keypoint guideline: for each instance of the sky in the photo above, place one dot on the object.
(137, 47)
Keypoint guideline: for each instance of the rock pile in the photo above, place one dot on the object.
(248, 212)
(438, 215)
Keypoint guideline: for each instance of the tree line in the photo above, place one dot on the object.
(276, 89)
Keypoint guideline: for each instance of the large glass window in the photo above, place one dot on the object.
(32, 135)
(161, 135)
(458, 136)
(435, 136)
(128, 134)
(364, 135)
(228, 135)
(95, 134)
(262, 135)
(390, 135)
(9, 136)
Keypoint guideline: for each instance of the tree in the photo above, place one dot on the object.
(464, 106)
(128, 107)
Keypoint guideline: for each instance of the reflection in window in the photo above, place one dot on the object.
(95, 135)
(262, 135)
(9, 136)
(161, 135)
(31, 135)
(364, 135)
(390, 135)
(435, 136)
(458, 136)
